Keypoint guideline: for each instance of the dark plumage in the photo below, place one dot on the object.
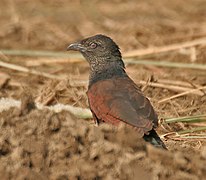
(113, 96)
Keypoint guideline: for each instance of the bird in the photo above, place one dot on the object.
(112, 95)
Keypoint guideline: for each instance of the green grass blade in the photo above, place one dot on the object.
(188, 119)
(192, 130)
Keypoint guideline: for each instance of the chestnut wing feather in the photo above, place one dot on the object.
(119, 99)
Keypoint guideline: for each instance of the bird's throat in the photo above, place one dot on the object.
(106, 71)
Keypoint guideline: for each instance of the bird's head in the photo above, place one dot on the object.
(97, 48)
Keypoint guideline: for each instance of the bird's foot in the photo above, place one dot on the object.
(96, 123)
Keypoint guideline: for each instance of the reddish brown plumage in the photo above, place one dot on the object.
(119, 99)
(113, 96)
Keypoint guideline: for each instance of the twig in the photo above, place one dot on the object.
(30, 71)
(40, 61)
(78, 56)
(188, 138)
(4, 56)
(191, 91)
(175, 82)
(192, 130)
(187, 109)
(152, 84)
(197, 118)
(155, 50)
(182, 137)
(7, 103)
(193, 137)
(171, 87)
(199, 123)
(59, 77)
(76, 111)
(40, 53)
(166, 64)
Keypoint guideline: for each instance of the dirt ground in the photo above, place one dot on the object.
(41, 144)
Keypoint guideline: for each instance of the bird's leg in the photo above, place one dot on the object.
(96, 120)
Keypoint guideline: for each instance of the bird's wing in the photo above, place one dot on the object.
(119, 99)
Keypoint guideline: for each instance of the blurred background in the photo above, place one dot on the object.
(35, 67)
(51, 25)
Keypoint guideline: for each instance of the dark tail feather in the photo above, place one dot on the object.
(154, 139)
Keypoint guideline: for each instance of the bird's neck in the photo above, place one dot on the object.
(106, 71)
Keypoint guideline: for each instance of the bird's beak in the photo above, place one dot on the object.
(77, 46)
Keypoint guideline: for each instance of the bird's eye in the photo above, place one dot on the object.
(93, 45)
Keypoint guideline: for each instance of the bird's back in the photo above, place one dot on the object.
(120, 99)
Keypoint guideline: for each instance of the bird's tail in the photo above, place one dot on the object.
(154, 139)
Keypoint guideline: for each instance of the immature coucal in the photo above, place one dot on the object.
(113, 96)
